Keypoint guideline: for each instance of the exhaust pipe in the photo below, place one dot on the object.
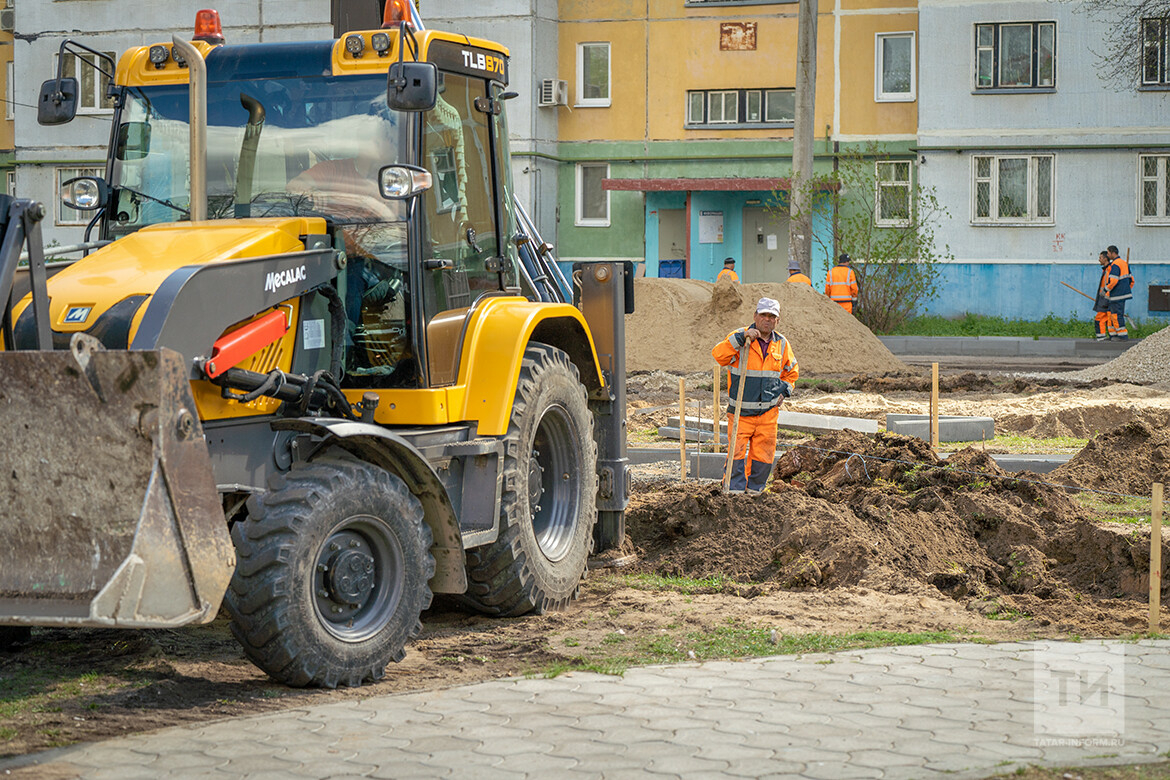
(197, 80)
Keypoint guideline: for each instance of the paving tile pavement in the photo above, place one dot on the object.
(956, 710)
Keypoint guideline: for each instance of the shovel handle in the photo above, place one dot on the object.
(731, 440)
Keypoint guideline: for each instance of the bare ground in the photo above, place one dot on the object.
(835, 549)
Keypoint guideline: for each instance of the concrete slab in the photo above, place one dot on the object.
(950, 427)
(1004, 346)
(793, 421)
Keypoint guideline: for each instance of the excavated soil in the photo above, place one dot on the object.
(1128, 459)
(883, 513)
(677, 321)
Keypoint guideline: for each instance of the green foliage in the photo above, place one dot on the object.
(895, 264)
(1049, 327)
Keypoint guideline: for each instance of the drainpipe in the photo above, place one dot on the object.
(197, 87)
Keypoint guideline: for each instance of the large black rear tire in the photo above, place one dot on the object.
(550, 494)
(331, 575)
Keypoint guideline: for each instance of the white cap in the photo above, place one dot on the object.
(768, 306)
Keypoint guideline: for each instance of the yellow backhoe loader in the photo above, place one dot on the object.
(317, 363)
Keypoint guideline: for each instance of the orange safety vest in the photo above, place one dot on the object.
(800, 279)
(729, 274)
(841, 286)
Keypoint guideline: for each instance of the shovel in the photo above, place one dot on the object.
(743, 352)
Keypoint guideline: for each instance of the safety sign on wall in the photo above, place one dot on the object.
(710, 227)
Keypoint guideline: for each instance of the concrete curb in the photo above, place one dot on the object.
(1005, 346)
(712, 462)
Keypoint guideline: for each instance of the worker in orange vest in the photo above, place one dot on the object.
(841, 284)
(1118, 288)
(795, 276)
(768, 379)
(728, 271)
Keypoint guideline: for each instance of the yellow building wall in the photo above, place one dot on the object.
(654, 61)
(860, 113)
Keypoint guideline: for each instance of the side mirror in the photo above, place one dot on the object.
(412, 86)
(58, 101)
(133, 141)
(400, 182)
(85, 193)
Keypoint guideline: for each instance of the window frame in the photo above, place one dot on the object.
(89, 103)
(1162, 50)
(721, 96)
(1162, 192)
(743, 96)
(60, 218)
(1031, 219)
(880, 184)
(879, 93)
(580, 220)
(582, 101)
(994, 48)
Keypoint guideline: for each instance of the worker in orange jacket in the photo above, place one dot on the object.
(795, 276)
(841, 284)
(728, 271)
(1118, 286)
(768, 378)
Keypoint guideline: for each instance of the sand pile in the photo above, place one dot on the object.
(1127, 459)
(886, 519)
(1145, 363)
(678, 321)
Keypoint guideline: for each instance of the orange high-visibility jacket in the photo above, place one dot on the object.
(1117, 281)
(728, 273)
(768, 378)
(841, 286)
(800, 279)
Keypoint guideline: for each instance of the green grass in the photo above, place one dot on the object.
(733, 641)
(684, 585)
(1116, 509)
(979, 325)
(1018, 444)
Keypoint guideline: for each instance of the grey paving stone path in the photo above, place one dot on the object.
(928, 711)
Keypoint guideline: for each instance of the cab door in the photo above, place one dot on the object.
(461, 236)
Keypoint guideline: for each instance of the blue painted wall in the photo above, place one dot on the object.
(1031, 291)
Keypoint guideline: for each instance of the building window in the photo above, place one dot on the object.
(11, 183)
(894, 68)
(740, 107)
(1013, 189)
(893, 193)
(592, 200)
(70, 216)
(1015, 55)
(593, 74)
(91, 83)
(1155, 70)
(1153, 194)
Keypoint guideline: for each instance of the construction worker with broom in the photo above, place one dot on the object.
(1117, 283)
(763, 372)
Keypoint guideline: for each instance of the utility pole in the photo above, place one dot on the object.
(799, 197)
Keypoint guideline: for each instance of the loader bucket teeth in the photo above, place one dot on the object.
(108, 505)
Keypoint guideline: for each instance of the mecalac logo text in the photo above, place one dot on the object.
(278, 279)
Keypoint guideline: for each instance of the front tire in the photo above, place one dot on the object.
(550, 494)
(331, 575)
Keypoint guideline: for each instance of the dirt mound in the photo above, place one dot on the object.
(677, 321)
(1127, 459)
(884, 513)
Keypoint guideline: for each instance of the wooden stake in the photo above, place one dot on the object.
(682, 427)
(718, 380)
(1155, 557)
(733, 434)
(934, 405)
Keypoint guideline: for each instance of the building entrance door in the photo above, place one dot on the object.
(672, 242)
(765, 246)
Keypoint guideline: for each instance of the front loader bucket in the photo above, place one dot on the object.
(109, 514)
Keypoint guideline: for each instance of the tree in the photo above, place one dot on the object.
(886, 224)
(800, 224)
(1122, 50)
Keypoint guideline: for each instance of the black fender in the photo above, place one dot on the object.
(387, 450)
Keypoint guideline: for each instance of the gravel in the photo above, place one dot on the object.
(1146, 363)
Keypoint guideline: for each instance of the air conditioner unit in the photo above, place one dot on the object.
(8, 19)
(553, 92)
